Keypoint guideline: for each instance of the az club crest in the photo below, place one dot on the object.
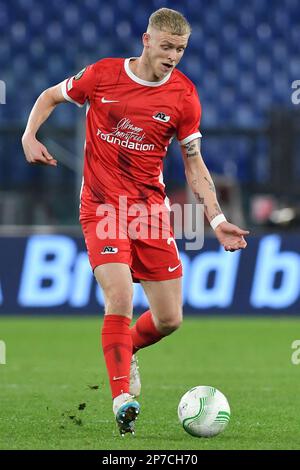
(161, 117)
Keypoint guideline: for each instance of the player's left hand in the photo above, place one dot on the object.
(231, 236)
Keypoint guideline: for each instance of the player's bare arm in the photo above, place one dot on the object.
(35, 151)
(198, 177)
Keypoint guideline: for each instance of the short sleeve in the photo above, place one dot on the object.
(190, 115)
(79, 88)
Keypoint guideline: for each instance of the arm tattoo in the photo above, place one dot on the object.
(200, 200)
(217, 211)
(192, 148)
(211, 185)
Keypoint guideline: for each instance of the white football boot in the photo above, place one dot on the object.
(126, 410)
(135, 379)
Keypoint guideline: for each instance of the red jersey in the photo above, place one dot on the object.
(129, 125)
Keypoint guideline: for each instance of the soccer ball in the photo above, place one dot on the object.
(204, 411)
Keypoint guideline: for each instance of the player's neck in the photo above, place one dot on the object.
(142, 69)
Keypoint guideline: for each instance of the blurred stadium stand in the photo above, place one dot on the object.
(243, 56)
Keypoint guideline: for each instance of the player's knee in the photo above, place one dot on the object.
(169, 325)
(119, 303)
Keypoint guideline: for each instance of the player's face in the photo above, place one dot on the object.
(164, 51)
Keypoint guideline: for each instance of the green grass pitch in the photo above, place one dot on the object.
(53, 365)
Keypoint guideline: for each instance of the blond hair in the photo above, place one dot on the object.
(170, 21)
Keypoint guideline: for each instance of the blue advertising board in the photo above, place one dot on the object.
(50, 274)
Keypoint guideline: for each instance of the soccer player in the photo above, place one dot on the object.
(135, 106)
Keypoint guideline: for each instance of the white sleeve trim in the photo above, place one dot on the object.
(190, 138)
(65, 94)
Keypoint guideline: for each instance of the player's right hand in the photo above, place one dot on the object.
(36, 152)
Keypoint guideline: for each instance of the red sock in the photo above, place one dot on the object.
(117, 349)
(144, 332)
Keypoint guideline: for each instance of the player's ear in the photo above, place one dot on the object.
(146, 39)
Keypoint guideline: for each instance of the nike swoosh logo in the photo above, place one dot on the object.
(173, 269)
(118, 378)
(103, 100)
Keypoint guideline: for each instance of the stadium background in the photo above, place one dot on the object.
(244, 58)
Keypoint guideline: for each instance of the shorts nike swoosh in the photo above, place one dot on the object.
(119, 378)
(173, 269)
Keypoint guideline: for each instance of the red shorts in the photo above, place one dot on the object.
(153, 258)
